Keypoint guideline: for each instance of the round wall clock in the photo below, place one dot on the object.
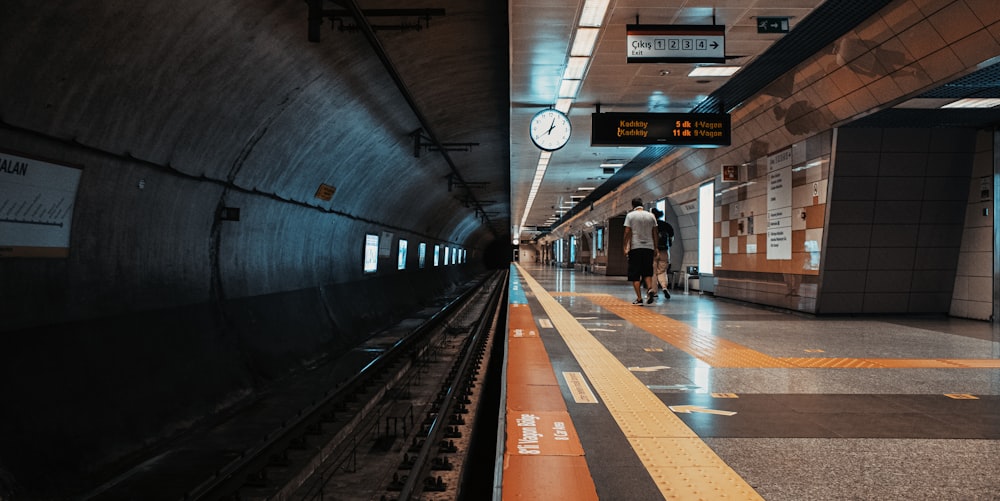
(550, 129)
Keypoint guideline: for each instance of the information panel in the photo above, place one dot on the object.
(36, 206)
(676, 43)
(779, 205)
(680, 129)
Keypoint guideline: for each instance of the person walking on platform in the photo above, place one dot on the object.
(661, 265)
(640, 248)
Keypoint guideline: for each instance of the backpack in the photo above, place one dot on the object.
(666, 233)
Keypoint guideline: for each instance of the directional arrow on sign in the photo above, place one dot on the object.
(687, 409)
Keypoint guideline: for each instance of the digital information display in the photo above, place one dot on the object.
(678, 43)
(371, 253)
(678, 129)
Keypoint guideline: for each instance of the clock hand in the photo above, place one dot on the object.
(553, 126)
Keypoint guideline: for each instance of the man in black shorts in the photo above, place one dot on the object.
(640, 247)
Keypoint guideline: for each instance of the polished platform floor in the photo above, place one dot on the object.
(696, 397)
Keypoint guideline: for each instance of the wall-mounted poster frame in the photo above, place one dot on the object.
(36, 206)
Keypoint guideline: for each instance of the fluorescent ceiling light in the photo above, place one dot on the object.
(611, 163)
(586, 188)
(714, 71)
(593, 12)
(543, 163)
(974, 103)
(569, 88)
(575, 68)
(584, 42)
(564, 104)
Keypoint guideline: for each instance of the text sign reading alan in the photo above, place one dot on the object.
(36, 206)
(676, 129)
(677, 43)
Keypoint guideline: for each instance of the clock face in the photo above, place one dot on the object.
(550, 129)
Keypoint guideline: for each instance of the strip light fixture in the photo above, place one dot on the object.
(974, 103)
(584, 42)
(714, 71)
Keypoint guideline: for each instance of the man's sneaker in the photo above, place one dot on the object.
(650, 297)
(637, 301)
(666, 295)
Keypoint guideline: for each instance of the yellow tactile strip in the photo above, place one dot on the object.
(680, 464)
(718, 352)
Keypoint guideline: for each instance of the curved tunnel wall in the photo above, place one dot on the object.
(163, 314)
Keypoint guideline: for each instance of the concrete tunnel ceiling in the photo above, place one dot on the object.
(234, 93)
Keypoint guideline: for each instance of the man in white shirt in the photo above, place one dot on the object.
(640, 247)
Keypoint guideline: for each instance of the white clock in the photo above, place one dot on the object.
(550, 129)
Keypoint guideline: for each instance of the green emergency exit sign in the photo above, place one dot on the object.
(772, 25)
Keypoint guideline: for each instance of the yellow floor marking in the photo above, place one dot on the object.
(579, 388)
(713, 350)
(718, 352)
(681, 465)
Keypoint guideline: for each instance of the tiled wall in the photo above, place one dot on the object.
(973, 297)
(897, 212)
(742, 268)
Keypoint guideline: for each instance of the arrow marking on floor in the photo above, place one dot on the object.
(648, 369)
(685, 387)
(687, 409)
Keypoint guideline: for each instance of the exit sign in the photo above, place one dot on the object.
(772, 25)
(676, 43)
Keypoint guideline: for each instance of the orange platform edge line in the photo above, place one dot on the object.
(543, 457)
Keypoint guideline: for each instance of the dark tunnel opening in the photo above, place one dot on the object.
(498, 254)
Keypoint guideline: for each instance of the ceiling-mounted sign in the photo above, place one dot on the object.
(36, 206)
(677, 43)
(673, 129)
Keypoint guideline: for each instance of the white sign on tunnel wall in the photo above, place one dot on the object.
(36, 206)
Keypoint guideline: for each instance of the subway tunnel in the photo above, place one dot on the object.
(230, 170)
(244, 192)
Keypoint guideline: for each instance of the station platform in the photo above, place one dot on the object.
(696, 397)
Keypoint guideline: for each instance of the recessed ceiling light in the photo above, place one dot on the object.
(593, 12)
(974, 103)
(569, 88)
(714, 71)
(575, 68)
(584, 42)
